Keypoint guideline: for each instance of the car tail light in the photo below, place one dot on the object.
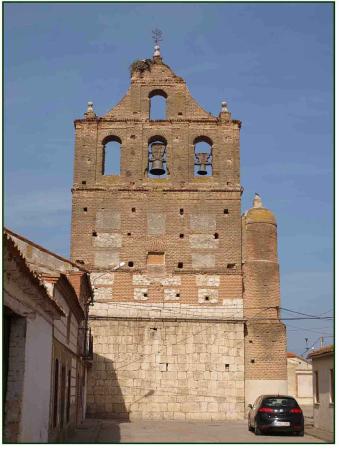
(296, 411)
(265, 410)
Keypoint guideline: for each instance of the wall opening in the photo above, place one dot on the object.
(111, 156)
(68, 407)
(55, 393)
(203, 156)
(157, 157)
(157, 105)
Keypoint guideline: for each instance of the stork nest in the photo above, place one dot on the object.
(141, 65)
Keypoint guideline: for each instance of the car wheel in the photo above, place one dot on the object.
(257, 430)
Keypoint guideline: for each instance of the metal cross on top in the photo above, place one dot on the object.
(157, 36)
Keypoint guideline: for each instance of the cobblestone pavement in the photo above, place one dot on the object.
(93, 430)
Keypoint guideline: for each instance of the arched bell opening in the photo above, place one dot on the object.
(157, 157)
(111, 146)
(203, 156)
(157, 105)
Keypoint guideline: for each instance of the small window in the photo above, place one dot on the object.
(163, 367)
(179, 113)
(111, 155)
(216, 236)
(145, 294)
(252, 361)
(207, 299)
(56, 393)
(129, 234)
(316, 387)
(132, 136)
(69, 321)
(85, 209)
(181, 211)
(181, 236)
(227, 367)
(95, 234)
(83, 182)
(68, 404)
(130, 263)
(133, 210)
(225, 211)
(231, 266)
(157, 105)
(177, 295)
(180, 265)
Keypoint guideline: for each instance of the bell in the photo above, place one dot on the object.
(157, 160)
(202, 170)
(157, 167)
(202, 160)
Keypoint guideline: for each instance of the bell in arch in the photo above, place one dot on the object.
(202, 161)
(157, 158)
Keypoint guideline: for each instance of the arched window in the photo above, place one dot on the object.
(202, 156)
(157, 105)
(111, 156)
(157, 157)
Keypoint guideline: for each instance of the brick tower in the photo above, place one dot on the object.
(163, 240)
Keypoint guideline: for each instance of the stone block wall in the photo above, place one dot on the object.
(167, 369)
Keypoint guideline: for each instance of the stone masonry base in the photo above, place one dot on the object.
(167, 369)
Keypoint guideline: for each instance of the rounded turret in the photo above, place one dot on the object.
(261, 233)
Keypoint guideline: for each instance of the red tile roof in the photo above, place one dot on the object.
(322, 351)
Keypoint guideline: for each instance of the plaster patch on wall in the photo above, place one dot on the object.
(203, 223)
(103, 293)
(202, 261)
(203, 241)
(171, 294)
(207, 280)
(235, 306)
(208, 295)
(106, 258)
(101, 278)
(139, 293)
(173, 281)
(108, 219)
(156, 223)
(107, 240)
(141, 280)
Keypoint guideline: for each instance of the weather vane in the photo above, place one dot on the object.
(157, 36)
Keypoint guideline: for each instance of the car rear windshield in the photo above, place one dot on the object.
(280, 402)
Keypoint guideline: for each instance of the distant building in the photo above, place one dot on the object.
(323, 387)
(46, 342)
(299, 375)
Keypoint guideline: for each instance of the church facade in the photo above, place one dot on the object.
(186, 321)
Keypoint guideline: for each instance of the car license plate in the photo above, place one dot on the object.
(282, 424)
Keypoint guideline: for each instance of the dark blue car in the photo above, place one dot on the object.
(276, 413)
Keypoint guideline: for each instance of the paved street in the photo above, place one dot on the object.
(103, 431)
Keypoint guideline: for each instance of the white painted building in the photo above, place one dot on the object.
(54, 341)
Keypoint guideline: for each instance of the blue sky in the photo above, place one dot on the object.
(272, 63)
